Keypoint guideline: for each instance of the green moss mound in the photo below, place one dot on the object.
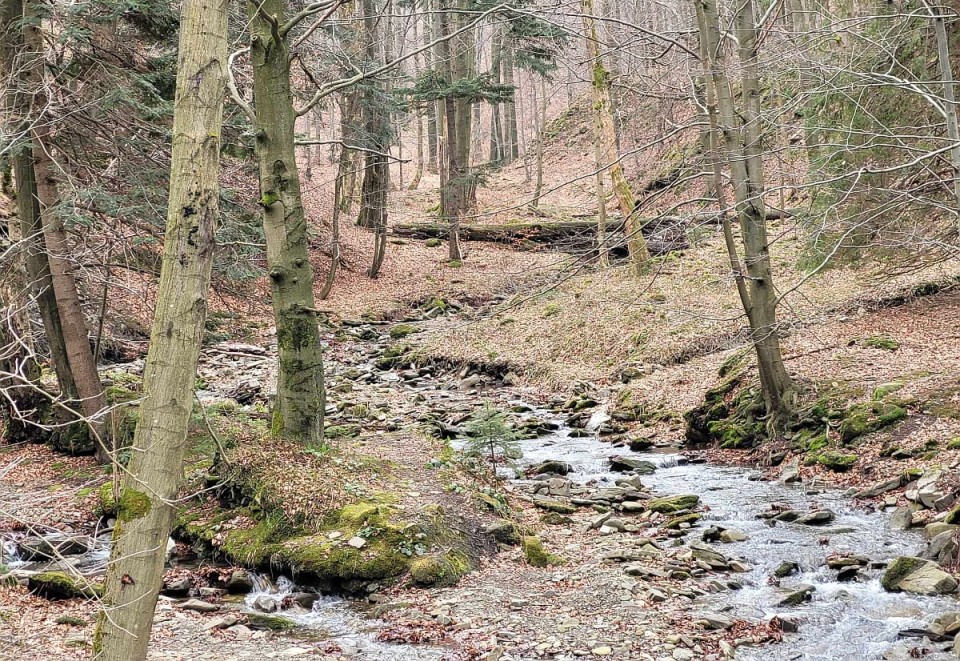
(869, 417)
(672, 504)
(535, 555)
(59, 585)
(837, 461)
(898, 570)
(439, 570)
(400, 331)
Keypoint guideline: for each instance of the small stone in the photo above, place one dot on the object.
(603, 650)
(265, 604)
(357, 542)
(730, 536)
(222, 622)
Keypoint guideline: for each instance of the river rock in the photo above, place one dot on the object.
(714, 621)
(178, 586)
(504, 532)
(848, 573)
(622, 464)
(199, 606)
(709, 555)
(791, 472)
(931, 530)
(551, 505)
(240, 582)
(917, 576)
(266, 604)
(947, 624)
(786, 568)
(942, 549)
(51, 546)
(672, 504)
(880, 488)
(729, 536)
(559, 486)
(800, 594)
(551, 466)
(224, 622)
(816, 518)
(901, 519)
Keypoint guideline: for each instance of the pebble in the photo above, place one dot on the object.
(603, 650)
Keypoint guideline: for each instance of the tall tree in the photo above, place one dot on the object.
(79, 353)
(740, 132)
(605, 136)
(298, 410)
(148, 490)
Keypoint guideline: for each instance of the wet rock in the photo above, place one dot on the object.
(52, 546)
(632, 482)
(917, 576)
(791, 472)
(551, 466)
(729, 536)
(784, 624)
(504, 532)
(816, 518)
(942, 549)
(947, 624)
(266, 604)
(240, 582)
(901, 519)
(626, 464)
(848, 574)
(672, 504)
(709, 555)
(222, 622)
(199, 606)
(800, 594)
(786, 568)
(841, 561)
(679, 522)
(302, 599)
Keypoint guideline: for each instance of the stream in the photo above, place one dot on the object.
(844, 621)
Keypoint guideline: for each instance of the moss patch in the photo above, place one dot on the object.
(58, 585)
(869, 417)
(400, 331)
(837, 461)
(439, 570)
(535, 555)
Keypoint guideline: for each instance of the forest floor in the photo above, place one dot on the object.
(558, 329)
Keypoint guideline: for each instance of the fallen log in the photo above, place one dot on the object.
(664, 233)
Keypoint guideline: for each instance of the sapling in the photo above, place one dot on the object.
(490, 435)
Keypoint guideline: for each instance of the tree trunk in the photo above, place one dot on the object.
(511, 150)
(376, 174)
(90, 390)
(950, 103)
(606, 137)
(452, 198)
(540, 124)
(298, 410)
(335, 227)
(496, 121)
(148, 490)
(741, 133)
(434, 126)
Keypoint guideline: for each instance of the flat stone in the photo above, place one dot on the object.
(714, 621)
(730, 536)
(357, 542)
(199, 606)
(816, 518)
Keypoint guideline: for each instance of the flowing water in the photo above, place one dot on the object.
(849, 621)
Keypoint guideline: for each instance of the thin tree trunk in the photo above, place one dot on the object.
(496, 121)
(541, 124)
(511, 136)
(744, 160)
(452, 199)
(299, 408)
(93, 401)
(148, 491)
(950, 103)
(606, 137)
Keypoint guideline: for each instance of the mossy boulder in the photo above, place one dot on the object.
(433, 243)
(439, 570)
(556, 519)
(672, 504)
(677, 522)
(869, 417)
(535, 555)
(400, 331)
(918, 576)
(837, 461)
(59, 585)
(393, 356)
(266, 622)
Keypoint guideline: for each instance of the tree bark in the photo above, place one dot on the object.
(452, 177)
(741, 134)
(496, 115)
(511, 148)
(148, 490)
(605, 135)
(299, 407)
(949, 98)
(541, 123)
(93, 402)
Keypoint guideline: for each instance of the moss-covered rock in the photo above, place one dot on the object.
(869, 417)
(400, 331)
(556, 519)
(276, 623)
(676, 522)
(393, 356)
(882, 342)
(439, 570)
(535, 555)
(672, 504)
(837, 461)
(59, 585)
(433, 243)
